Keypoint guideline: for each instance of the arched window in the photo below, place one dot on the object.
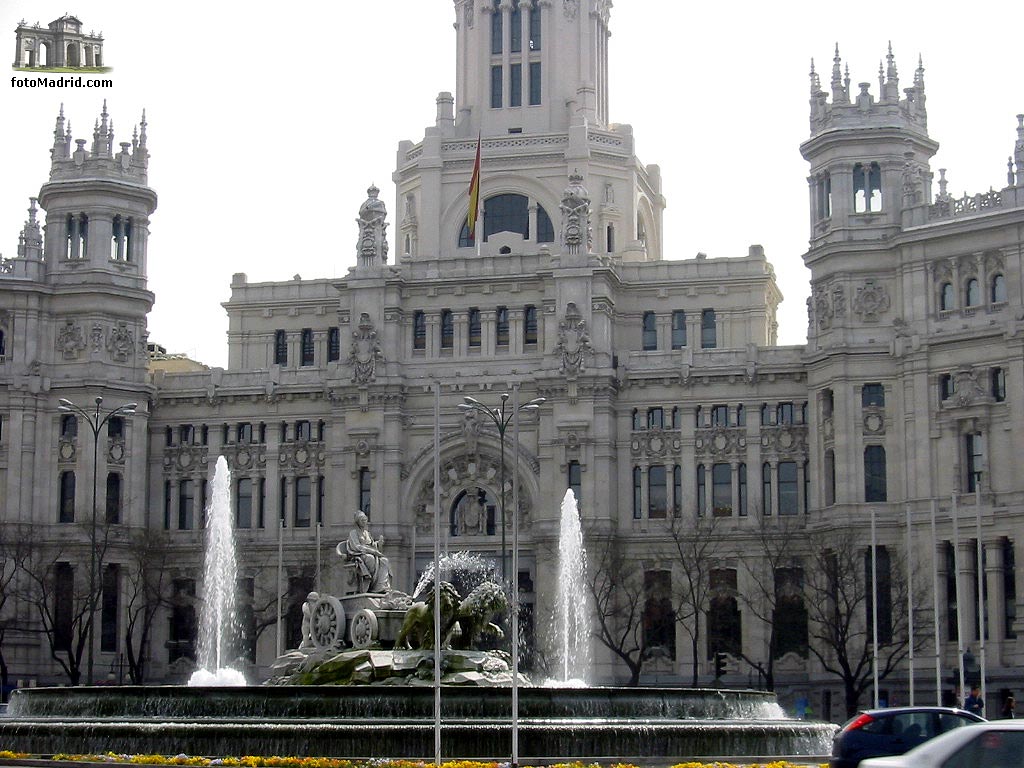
(473, 513)
(867, 188)
(998, 294)
(509, 213)
(972, 294)
(947, 298)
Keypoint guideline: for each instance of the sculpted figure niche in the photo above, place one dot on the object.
(575, 206)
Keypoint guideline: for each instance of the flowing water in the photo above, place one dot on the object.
(572, 614)
(218, 625)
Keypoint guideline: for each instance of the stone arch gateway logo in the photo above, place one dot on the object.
(60, 46)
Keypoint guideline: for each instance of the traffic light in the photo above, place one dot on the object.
(719, 664)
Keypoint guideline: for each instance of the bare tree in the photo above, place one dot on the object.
(15, 546)
(774, 552)
(840, 603)
(147, 583)
(698, 548)
(616, 585)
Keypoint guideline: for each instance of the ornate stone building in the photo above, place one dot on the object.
(61, 43)
(669, 407)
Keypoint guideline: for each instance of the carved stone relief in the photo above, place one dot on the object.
(573, 342)
(365, 352)
(871, 301)
(121, 343)
(70, 340)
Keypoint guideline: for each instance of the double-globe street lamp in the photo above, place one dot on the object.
(501, 418)
(96, 420)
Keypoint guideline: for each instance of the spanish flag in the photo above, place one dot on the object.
(474, 192)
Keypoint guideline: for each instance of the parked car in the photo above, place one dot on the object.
(998, 744)
(878, 732)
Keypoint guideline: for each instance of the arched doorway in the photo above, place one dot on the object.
(475, 511)
(71, 59)
(42, 56)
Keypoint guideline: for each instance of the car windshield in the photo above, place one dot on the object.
(990, 749)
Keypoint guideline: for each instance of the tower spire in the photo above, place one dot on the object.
(815, 80)
(839, 94)
(60, 140)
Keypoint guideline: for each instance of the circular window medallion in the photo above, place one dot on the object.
(67, 451)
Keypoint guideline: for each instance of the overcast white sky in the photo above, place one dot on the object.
(267, 123)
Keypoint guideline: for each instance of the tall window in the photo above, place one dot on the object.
(998, 378)
(884, 593)
(364, 490)
(535, 27)
(575, 480)
(637, 493)
(186, 505)
(243, 503)
(303, 499)
(115, 428)
(997, 294)
(790, 615)
(638, 419)
(946, 386)
(789, 496)
(69, 426)
(501, 327)
(678, 329)
(333, 344)
(975, 460)
(3, 345)
(659, 618)
(113, 505)
(110, 587)
(766, 487)
(874, 473)
(650, 332)
(474, 327)
(529, 324)
(496, 29)
(708, 330)
(872, 395)
(720, 416)
(535, 83)
(655, 418)
(63, 605)
(702, 493)
(307, 346)
(867, 188)
(447, 329)
(280, 348)
(321, 495)
(657, 492)
(947, 297)
(303, 430)
(784, 413)
(66, 511)
(741, 489)
(1009, 590)
(830, 477)
(972, 293)
(741, 416)
(419, 330)
(724, 621)
(496, 87)
(515, 85)
(721, 488)
(677, 490)
(516, 29)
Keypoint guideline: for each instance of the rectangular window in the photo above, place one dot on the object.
(975, 460)
(364, 490)
(658, 618)
(516, 29)
(719, 416)
(874, 473)
(303, 431)
(280, 348)
(677, 490)
(303, 498)
(113, 499)
(168, 495)
(721, 489)
(678, 329)
(655, 418)
(677, 417)
(637, 493)
(766, 488)
(872, 396)
(741, 416)
(702, 494)
(535, 83)
(186, 505)
(261, 502)
(529, 324)
(784, 413)
(501, 327)
(1009, 590)
(110, 586)
(308, 347)
(496, 32)
(321, 494)
(998, 377)
(115, 427)
(186, 434)
(830, 477)
(333, 344)
(638, 419)
(244, 432)
(515, 97)
(575, 480)
(708, 329)
(828, 403)
(243, 503)
(63, 606)
(657, 492)
(535, 29)
(649, 340)
(474, 327)
(419, 330)
(447, 329)
(66, 511)
(946, 386)
(282, 506)
(741, 489)
(789, 496)
(883, 567)
(496, 76)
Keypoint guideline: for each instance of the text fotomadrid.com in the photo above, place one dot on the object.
(59, 82)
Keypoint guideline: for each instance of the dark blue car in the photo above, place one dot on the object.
(881, 732)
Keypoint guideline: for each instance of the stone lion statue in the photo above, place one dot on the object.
(418, 626)
(475, 613)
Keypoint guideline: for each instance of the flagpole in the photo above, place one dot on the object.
(935, 609)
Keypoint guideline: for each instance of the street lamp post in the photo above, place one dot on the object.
(96, 421)
(501, 417)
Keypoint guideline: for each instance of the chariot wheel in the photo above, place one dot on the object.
(327, 623)
(363, 629)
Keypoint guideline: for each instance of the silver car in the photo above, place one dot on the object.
(996, 744)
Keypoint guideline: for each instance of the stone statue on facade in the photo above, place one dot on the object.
(575, 207)
(365, 352)
(573, 342)
(372, 248)
(367, 554)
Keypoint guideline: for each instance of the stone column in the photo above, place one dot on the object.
(506, 51)
(966, 590)
(996, 599)
(524, 37)
(734, 469)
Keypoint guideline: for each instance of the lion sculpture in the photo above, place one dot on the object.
(418, 626)
(475, 614)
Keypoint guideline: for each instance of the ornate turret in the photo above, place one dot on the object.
(30, 239)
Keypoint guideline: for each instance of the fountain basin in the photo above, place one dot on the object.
(567, 723)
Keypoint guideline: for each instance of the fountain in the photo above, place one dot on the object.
(386, 709)
(218, 627)
(572, 618)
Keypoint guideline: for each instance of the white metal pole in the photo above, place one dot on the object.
(959, 599)
(874, 606)
(437, 573)
(280, 586)
(981, 582)
(910, 609)
(935, 609)
(515, 576)
(318, 527)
